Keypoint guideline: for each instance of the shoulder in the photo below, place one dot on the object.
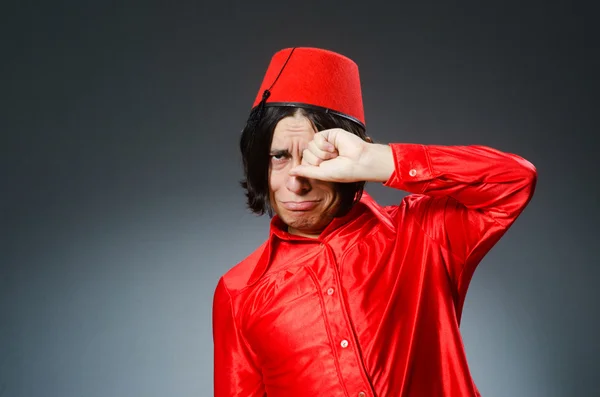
(236, 278)
(418, 203)
(410, 204)
(424, 211)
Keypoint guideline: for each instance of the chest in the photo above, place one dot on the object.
(326, 297)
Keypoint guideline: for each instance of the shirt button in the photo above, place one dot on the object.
(344, 343)
(412, 172)
(362, 394)
(330, 291)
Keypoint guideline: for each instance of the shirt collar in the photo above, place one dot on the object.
(278, 233)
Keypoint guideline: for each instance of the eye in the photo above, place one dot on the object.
(279, 160)
(279, 156)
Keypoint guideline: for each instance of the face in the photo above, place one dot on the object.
(305, 205)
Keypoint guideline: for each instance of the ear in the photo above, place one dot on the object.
(368, 139)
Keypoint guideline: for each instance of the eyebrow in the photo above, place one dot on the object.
(280, 152)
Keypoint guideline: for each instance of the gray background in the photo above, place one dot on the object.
(119, 169)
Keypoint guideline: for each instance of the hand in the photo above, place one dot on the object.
(337, 155)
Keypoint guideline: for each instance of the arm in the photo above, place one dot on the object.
(235, 372)
(487, 181)
(472, 194)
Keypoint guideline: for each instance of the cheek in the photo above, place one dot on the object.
(276, 181)
(329, 189)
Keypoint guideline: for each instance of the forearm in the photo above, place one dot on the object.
(478, 177)
(378, 161)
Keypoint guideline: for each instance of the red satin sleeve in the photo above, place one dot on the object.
(470, 196)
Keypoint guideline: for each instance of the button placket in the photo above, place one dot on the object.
(351, 367)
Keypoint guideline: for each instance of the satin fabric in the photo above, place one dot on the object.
(373, 306)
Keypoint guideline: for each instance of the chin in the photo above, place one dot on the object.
(313, 221)
(308, 222)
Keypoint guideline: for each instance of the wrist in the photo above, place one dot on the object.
(378, 162)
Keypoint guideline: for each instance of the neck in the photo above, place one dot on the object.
(310, 234)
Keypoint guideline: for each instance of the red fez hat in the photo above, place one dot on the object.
(313, 78)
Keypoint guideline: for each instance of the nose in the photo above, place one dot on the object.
(298, 184)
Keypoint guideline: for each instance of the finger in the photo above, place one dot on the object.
(322, 143)
(309, 158)
(323, 155)
(310, 172)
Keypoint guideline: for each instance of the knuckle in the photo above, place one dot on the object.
(307, 156)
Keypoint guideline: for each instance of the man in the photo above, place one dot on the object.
(346, 297)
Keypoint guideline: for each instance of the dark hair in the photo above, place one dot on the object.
(255, 145)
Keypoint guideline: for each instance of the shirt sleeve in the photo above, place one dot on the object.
(472, 195)
(235, 371)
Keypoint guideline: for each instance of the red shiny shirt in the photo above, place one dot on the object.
(372, 307)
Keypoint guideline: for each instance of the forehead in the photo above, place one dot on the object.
(292, 128)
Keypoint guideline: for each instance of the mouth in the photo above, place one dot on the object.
(305, 205)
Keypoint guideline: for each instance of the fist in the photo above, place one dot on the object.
(334, 155)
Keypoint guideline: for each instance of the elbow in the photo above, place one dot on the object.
(526, 185)
(530, 176)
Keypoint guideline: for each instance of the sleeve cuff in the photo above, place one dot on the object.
(412, 168)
